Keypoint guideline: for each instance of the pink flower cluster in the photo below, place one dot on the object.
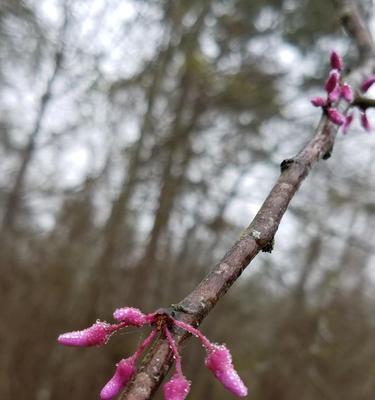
(218, 358)
(336, 89)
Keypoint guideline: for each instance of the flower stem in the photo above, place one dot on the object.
(115, 327)
(206, 343)
(172, 345)
(143, 345)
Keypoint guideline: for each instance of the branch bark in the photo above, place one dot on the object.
(261, 231)
(363, 102)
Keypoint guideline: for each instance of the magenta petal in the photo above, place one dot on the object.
(124, 372)
(347, 123)
(219, 361)
(332, 81)
(95, 335)
(318, 101)
(130, 315)
(335, 116)
(365, 122)
(368, 83)
(335, 94)
(347, 92)
(177, 388)
(336, 61)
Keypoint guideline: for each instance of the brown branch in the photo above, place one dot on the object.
(363, 102)
(356, 27)
(260, 233)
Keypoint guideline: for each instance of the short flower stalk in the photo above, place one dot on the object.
(337, 90)
(218, 358)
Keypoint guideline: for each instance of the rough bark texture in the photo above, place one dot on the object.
(261, 231)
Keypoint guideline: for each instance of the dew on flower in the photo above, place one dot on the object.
(177, 388)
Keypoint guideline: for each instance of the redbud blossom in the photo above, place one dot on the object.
(347, 123)
(347, 93)
(335, 116)
(177, 388)
(124, 372)
(337, 89)
(336, 61)
(318, 101)
(95, 335)
(365, 122)
(219, 361)
(335, 94)
(130, 315)
(368, 83)
(332, 81)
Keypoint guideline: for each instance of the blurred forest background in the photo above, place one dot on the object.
(137, 140)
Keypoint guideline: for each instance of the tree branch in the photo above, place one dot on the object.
(356, 27)
(363, 102)
(261, 231)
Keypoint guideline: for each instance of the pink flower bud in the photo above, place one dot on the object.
(332, 81)
(318, 101)
(219, 361)
(365, 122)
(347, 123)
(124, 372)
(335, 116)
(130, 315)
(335, 94)
(336, 61)
(95, 335)
(347, 93)
(368, 83)
(177, 388)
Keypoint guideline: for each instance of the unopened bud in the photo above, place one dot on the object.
(336, 61)
(335, 116)
(318, 101)
(365, 121)
(347, 93)
(347, 123)
(177, 388)
(368, 83)
(124, 372)
(130, 315)
(219, 361)
(95, 335)
(332, 81)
